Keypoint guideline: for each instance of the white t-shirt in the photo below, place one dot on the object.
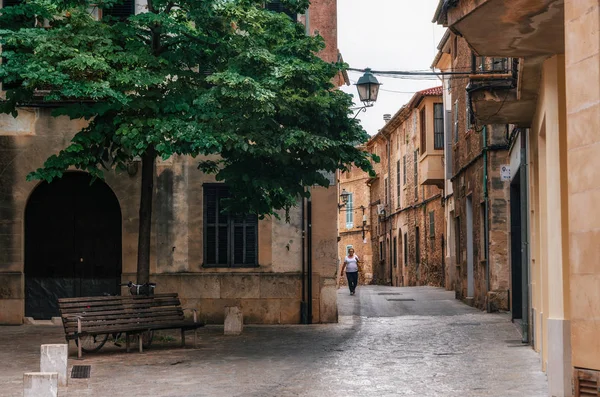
(351, 263)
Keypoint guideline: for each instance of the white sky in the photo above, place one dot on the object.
(388, 35)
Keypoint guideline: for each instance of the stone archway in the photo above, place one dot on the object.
(72, 242)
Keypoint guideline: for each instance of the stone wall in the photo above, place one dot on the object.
(468, 184)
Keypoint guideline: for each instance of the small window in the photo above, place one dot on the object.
(350, 211)
(348, 248)
(229, 240)
(438, 126)
(381, 253)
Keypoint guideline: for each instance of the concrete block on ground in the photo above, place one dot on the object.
(40, 384)
(53, 358)
(234, 320)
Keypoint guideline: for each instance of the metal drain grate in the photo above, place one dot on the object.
(81, 371)
(400, 300)
(389, 293)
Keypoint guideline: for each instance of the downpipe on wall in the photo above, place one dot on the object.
(309, 258)
(303, 303)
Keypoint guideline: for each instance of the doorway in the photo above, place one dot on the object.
(515, 248)
(72, 243)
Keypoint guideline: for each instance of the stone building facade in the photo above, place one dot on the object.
(552, 98)
(70, 238)
(406, 199)
(477, 211)
(353, 222)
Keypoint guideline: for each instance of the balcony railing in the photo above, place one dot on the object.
(483, 68)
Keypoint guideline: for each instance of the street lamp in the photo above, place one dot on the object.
(368, 90)
(344, 197)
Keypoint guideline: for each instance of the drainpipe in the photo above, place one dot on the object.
(309, 259)
(486, 235)
(303, 304)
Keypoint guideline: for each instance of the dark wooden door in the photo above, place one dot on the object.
(72, 243)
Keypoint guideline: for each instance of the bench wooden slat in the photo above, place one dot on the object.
(123, 320)
(132, 305)
(122, 314)
(142, 310)
(117, 297)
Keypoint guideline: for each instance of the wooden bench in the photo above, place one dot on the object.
(131, 315)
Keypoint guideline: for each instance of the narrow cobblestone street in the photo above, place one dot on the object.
(390, 342)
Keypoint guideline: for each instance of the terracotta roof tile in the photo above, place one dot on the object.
(432, 91)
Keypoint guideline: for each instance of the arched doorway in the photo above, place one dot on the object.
(72, 242)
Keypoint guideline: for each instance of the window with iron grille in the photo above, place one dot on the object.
(122, 10)
(416, 173)
(277, 6)
(398, 183)
(229, 240)
(438, 126)
(423, 120)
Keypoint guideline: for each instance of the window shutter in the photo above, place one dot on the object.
(276, 6)
(122, 10)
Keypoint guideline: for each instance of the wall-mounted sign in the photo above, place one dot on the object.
(505, 172)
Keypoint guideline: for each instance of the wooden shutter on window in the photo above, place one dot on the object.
(276, 6)
(122, 10)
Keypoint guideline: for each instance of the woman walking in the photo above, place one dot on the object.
(350, 265)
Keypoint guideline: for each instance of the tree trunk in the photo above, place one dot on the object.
(145, 216)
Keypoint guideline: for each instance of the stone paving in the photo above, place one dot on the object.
(426, 344)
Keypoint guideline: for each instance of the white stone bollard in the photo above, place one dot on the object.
(40, 384)
(234, 320)
(53, 358)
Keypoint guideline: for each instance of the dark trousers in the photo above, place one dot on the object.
(352, 280)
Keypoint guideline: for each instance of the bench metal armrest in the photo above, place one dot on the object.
(195, 313)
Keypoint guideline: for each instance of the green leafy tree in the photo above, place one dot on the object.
(187, 77)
